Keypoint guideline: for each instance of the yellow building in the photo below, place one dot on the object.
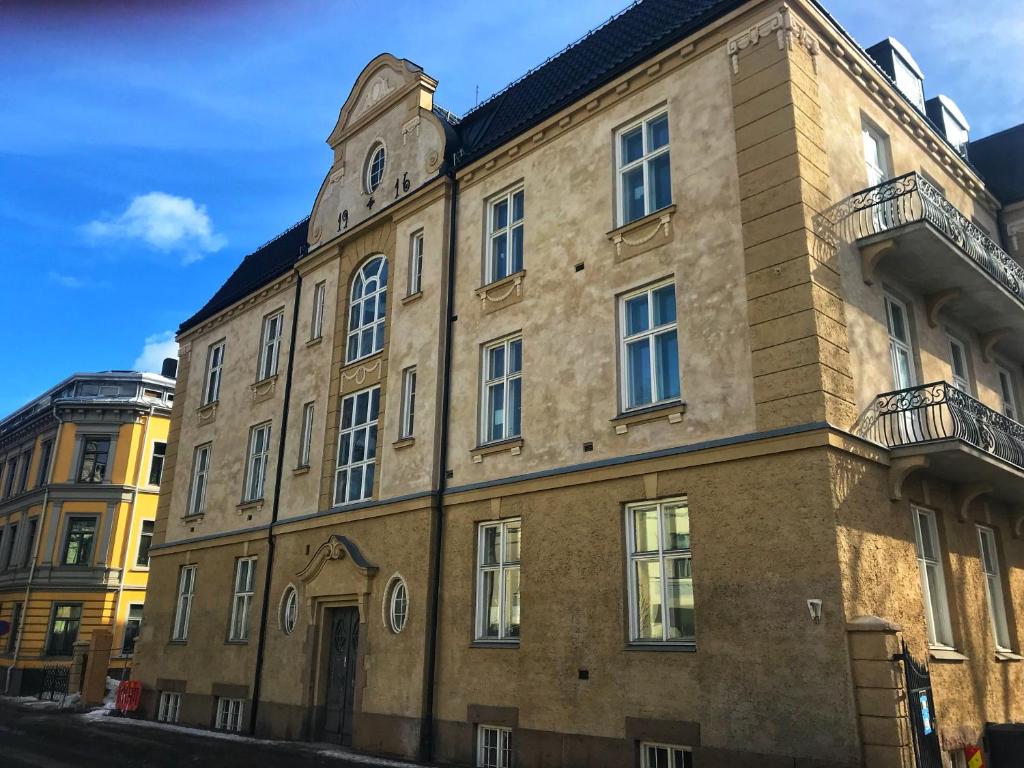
(81, 469)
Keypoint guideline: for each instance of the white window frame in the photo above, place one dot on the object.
(644, 160)
(963, 383)
(214, 372)
(316, 323)
(370, 430)
(878, 168)
(415, 263)
(502, 568)
(661, 555)
(270, 344)
(289, 609)
(229, 714)
(988, 553)
(407, 424)
(1007, 393)
(500, 754)
(933, 579)
(507, 232)
(368, 177)
(378, 295)
(491, 382)
(651, 335)
(306, 434)
(241, 599)
(671, 752)
(897, 345)
(200, 479)
(256, 462)
(183, 603)
(170, 707)
(397, 604)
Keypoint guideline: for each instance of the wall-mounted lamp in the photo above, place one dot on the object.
(814, 606)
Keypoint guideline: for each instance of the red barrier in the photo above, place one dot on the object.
(129, 693)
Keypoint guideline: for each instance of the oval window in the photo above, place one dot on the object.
(375, 167)
(398, 605)
(289, 610)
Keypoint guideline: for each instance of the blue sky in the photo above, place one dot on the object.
(146, 147)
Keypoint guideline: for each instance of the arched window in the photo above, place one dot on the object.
(289, 610)
(367, 309)
(375, 167)
(396, 604)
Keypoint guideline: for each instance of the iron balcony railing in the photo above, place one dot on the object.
(939, 411)
(909, 199)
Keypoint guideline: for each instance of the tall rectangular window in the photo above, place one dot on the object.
(132, 623)
(502, 397)
(26, 462)
(316, 323)
(92, 466)
(64, 626)
(664, 756)
(156, 463)
(494, 746)
(256, 465)
(933, 582)
(10, 534)
(12, 635)
(876, 155)
(994, 587)
(170, 706)
(229, 714)
(306, 437)
(78, 542)
(644, 173)
(660, 572)
(958, 365)
(183, 605)
(270, 347)
(901, 350)
(1007, 393)
(408, 416)
(650, 348)
(200, 472)
(45, 453)
(505, 231)
(357, 446)
(416, 264)
(498, 585)
(10, 472)
(245, 571)
(145, 541)
(214, 367)
(29, 543)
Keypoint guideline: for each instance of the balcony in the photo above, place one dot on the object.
(953, 436)
(907, 225)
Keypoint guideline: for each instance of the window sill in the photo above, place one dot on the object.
(404, 442)
(314, 341)
(412, 297)
(498, 644)
(513, 446)
(662, 647)
(236, 642)
(178, 642)
(302, 469)
(644, 234)
(502, 293)
(197, 517)
(250, 505)
(263, 389)
(1008, 656)
(672, 411)
(946, 654)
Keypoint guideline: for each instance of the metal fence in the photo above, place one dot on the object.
(54, 683)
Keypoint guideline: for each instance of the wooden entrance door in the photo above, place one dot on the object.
(343, 641)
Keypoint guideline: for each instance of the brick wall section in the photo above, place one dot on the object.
(798, 334)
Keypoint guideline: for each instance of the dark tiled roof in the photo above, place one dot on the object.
(639, 32)
(1000, 160)
(266, 263)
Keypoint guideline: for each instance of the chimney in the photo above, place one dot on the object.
(170, 368)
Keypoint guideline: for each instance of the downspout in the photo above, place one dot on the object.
(131, 520)
(35, 551)
(427, 730)
(274, 509)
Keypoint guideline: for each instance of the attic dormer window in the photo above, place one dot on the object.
(375, 167)
(908, 81)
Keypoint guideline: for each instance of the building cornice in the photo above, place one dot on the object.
(258, 295)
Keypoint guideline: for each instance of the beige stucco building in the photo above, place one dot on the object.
(556, 435)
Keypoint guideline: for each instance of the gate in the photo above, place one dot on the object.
(921, 707)
(54, 684)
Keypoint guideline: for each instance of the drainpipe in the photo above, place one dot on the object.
(437, 535)
(40, 527)
(274, 509)
(131, 520)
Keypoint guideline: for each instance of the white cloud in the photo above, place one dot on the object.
(66, 281)
(165, 222)
(156, 348)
